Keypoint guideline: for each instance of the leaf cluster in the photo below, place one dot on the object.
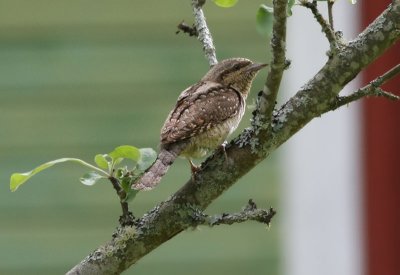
(125, 163)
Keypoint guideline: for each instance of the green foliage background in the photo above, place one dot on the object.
(79, 78)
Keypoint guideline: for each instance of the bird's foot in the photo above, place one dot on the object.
(222, 147)
(194, 168)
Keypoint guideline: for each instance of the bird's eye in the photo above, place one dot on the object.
(237, 67)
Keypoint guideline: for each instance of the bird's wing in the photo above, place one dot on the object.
(199, 108)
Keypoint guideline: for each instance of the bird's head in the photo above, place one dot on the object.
(234, 72)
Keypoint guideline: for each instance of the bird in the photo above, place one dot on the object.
(204, 116)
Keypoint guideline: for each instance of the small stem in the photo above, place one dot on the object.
(387, 76)
(372, 89)
(278, 63)
(204, 34)
(88, 165)
(116, 186)
(330, 10)
(249, 213)
(127, 216)
(125, 209)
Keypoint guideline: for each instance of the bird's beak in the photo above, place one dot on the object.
(256, 67)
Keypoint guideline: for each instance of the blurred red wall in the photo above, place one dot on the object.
(381, 166)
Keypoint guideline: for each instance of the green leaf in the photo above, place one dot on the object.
(147, 157)
(353, 2)
(90, 178)
(289, 7)
(101, 161)
(19, 178)
(126, 183)
(125, 152)
(225, 3)
(131, 194)
(264, 20)
(120, 172)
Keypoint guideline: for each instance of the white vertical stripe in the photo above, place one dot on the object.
(321, 164)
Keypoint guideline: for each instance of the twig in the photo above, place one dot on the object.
(387, 76)
(249, 213)
(330, 13)
(185, 28)
(326, 28)
(204, 33)
(278, 63)
(127, 217)
(372, 89)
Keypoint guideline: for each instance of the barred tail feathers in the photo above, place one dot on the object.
(152, 177)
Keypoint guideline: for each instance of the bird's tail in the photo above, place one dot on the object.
(153, 175)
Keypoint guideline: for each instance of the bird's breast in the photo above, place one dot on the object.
(201, 144)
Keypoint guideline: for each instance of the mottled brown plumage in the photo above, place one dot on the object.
(204, 116)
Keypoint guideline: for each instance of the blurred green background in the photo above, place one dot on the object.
(79, 78)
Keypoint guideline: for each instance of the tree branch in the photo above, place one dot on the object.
(278, 64)
(249, 213)
(204, 34)
(316, 96)
(372, 89)
(170, 217)
(326, 27)
(330, 13)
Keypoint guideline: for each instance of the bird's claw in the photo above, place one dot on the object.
(222, 148)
